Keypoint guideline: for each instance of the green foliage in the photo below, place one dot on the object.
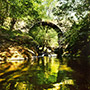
(71, 9)
(76, 14)
(23, 8)
(17, 37)
(48, 8)
(78, 36)
(19, 9)
(44, 35)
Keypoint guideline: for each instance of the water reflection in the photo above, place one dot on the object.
(46, 73)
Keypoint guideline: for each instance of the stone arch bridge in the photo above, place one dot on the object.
(50, 24)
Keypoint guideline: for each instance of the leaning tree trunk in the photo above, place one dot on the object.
(13, 21)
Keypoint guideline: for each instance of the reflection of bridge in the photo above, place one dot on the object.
(50, 24)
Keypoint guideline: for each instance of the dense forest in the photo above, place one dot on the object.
(33, 27)
(72, 16)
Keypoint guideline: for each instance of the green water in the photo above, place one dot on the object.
(47, 73)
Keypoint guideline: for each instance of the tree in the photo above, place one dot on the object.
(71, 10)
(19, 9)
(76, 12)
(48, 8)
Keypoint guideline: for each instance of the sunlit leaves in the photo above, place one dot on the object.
(68, 7)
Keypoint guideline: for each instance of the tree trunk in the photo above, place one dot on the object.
(13, 21)
(1, 21)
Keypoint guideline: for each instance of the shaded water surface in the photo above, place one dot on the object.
(46, 74)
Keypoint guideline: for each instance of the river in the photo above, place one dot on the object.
(46, 73)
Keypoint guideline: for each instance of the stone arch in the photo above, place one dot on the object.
(50, 24)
